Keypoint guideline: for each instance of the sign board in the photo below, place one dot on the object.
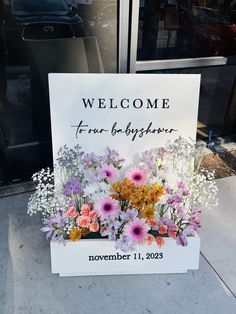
(127, 112)
(130, 113)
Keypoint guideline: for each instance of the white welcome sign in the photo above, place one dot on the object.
(128, 112)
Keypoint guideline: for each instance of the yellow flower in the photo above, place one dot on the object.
(75, 234)
(148, 213)
(139, 197)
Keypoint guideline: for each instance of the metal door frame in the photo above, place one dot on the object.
(123, 35)
(151, 65)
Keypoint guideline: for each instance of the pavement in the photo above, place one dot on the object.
(28, 287)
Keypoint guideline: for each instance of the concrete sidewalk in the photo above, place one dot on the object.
(27, 285)
(218, 236)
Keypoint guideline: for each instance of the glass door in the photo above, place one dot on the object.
(175, 36)
(41, 37)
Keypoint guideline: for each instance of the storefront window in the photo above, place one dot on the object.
(37, 38)
(171, 29)
(217, 110)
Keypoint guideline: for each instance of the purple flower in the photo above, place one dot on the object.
(90, 159)
(58, 219)
(130, 214)
(182, 240)
(71, 203)
(125, 243)
(57, 236)
(117, 224)
(166, 221)
(149, 161)
(181, 211)
(112, 227)
(113, 157)
(196, 213)
(162, 152)
(110, 232)
(49, 231)
(174, 200)
(181, 184)
(185, 192)
(188, 231)
(72, 187)
(150, 157)
(169, 190)
(195, 219)
(54, 226)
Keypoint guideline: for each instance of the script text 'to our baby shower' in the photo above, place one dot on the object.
(128, 130)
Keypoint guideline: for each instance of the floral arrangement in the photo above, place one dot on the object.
(160, 195)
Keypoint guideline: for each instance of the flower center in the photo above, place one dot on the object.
(137, 177)
(137, 231)
(107, 207)
(108, 173)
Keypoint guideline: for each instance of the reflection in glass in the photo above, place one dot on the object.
(217, 110)
(37, 38)
(184, 29)
(29, 7)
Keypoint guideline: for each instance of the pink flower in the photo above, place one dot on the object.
(93, 214)
(104, 228)
(152, 223)
(172, 231)
(181, 184)
(107, 207)
(137, 229)
(162, 229)
(150, 239)
(137, 176)
(72, 212)
(173, 228)
(85, 209)
(160, 241)
(94, 226)
(172, 234)
(83, 221)
(110, 172)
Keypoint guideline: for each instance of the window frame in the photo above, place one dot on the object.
(152, 65)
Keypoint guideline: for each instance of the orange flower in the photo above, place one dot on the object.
(72, 212)
(150, 238)
(160, 241)
(75, 234)
(138, 197)
(85, 209)
(162, 229)
(83, 221)
(94, 226)
(93, 214)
